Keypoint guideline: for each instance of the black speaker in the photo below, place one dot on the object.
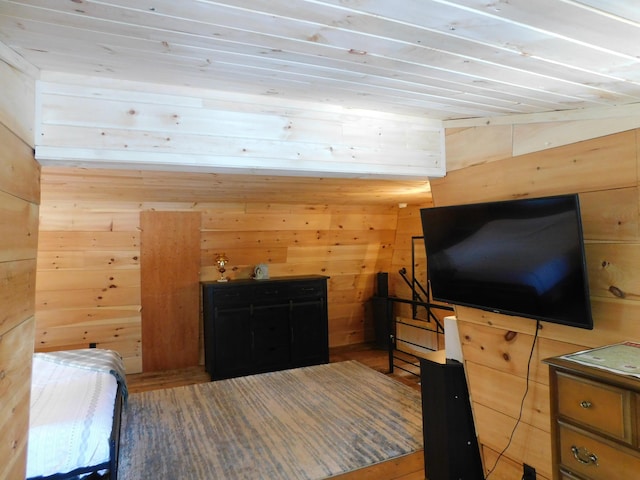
(382, 314)
(451, 449)
(382, 284)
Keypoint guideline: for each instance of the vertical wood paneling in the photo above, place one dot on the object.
(19, 227)
(19, 197)
(88, 282)
(169, 278)
(543, 136)
(19, 177)
(409, 226)
(347, 243)
(17, 292)
(405, 245)
(496, 348)
(583, 167)
(505, 468)
(16, 352)
(611, 269)
(611, 215)
(489, 144)
(89, 287)
(18, 99)
(529, 444)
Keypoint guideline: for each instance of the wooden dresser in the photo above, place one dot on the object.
(595, 414)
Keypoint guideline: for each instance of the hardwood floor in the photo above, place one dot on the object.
(406, 370)
(141, 382)
(364, 353)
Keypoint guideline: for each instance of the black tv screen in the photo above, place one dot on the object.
(518, 257)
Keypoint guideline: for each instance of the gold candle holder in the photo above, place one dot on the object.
(221, 261)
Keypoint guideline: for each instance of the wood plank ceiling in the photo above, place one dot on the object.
(440, 59)
(443, 59)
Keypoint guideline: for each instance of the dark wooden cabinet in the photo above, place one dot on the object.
(254, 326)
(235, 353)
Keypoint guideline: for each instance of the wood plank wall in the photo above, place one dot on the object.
(88, 283)
(409, 254)
(89, 254)
(604, 171)
(19, 199)
(17, 94)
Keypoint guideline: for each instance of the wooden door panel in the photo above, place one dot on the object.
(170, 289)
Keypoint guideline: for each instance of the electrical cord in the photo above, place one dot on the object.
(526, 391)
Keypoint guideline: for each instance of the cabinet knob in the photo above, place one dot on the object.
(586, 404)
(584, 456)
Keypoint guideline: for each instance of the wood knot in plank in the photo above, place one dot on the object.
(510, 335)
(617, 292)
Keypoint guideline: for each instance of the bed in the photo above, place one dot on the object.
(76, 405)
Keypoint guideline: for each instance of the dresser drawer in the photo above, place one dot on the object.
(566, 475)
(269, 293)
(308, 290)
(595, 459)
(597, 406)
(229, 297)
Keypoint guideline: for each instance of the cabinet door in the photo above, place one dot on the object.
(271, 338)
(309, 333)
(232, 343)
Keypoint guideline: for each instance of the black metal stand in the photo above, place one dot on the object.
(420, 298)
(451, 448)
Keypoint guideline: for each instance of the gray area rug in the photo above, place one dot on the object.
(306, 423)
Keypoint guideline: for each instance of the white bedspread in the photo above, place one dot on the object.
(71, 417)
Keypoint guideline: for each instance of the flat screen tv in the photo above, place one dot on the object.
(517, 257)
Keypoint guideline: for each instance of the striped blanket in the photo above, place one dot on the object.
(95, 359)
(72, 411)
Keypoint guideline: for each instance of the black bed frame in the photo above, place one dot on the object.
(114, 446)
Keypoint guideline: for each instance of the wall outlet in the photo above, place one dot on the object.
(529, 472)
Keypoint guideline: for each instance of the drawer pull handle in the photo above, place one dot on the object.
(585, 404)
(583, 455)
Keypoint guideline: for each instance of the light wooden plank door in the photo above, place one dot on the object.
(170, 282)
